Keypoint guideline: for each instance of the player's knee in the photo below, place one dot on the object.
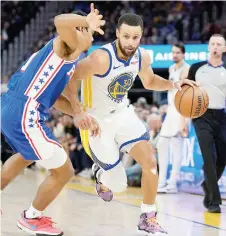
(65, 175)
(65, 172)
(115, 179)
(68, 171)
(119, 185)
(148, 162)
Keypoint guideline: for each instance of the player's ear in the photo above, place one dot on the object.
(224, 48)
(208, 47)
(117, 33)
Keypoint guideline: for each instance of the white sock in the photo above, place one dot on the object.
(145, 208)
(32, 213)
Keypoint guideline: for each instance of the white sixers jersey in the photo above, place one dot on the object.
(174, 76)
(103, 93)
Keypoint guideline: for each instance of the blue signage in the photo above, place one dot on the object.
(161, 56)
(191, 174)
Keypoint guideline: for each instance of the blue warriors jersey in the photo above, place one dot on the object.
(43, 76)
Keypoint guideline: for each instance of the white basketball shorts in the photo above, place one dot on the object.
(120, 131)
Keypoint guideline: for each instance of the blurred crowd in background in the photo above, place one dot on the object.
(14, 16)
(165, 22)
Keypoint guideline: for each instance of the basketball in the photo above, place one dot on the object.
(191, 102)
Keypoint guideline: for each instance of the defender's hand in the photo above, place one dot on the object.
(96, 131)
(94, 20)
(83, 121)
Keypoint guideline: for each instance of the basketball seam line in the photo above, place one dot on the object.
(192, 101)
(181, 97)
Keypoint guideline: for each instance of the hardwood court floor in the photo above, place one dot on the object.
(81, 213)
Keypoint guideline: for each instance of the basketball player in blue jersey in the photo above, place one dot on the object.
(108, 73)
(36, 86)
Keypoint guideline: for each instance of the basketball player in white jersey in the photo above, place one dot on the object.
(173, 128)
(109, 73)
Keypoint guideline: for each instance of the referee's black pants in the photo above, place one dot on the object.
(211, 132)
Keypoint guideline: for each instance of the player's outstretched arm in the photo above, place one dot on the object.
(152, 81)
(66, 25)
(63, 105)
(81, 120)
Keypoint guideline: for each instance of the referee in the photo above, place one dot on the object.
(211, 127)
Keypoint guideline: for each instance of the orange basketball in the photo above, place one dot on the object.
(191, 102)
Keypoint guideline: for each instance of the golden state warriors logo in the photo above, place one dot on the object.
(119, 87)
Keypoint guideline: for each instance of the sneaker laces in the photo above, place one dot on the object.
(46, 221)
(152, 220)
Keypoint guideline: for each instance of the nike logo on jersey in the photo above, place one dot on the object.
(116, 67)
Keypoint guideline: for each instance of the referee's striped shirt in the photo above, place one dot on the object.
(213, 80)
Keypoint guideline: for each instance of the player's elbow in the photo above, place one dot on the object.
(148, 84)
(59, 21)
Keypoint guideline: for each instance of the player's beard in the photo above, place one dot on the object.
(123, 51)
(176, 60)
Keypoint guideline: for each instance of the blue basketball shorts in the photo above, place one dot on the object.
(24, 128)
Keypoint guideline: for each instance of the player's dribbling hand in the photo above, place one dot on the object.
(94, 20)
(180, 83)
